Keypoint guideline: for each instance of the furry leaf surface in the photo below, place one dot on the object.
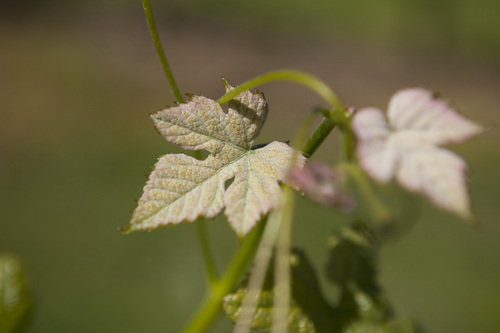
(183, 189)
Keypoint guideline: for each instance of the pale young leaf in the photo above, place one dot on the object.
(183, 189)
(406, 147)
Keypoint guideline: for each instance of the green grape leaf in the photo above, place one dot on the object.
(298, 321)
(363, 305)
(14, 297)
(183, 189)
(307, 293)
(352, 258)
(309, 311)
(394, 326)
(361, 312)
(402, 325)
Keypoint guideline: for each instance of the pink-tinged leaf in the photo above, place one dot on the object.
(375, 150)
(322, 184)
(416, 110)
(407, 147)
(183, 189)
(443, 183)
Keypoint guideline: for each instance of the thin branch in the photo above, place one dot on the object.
(159, 50)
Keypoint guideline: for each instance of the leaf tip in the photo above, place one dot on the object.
(226, 84)
(473, 222)
(465, 214)
(124, 230)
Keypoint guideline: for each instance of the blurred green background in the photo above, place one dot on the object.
(79, 79)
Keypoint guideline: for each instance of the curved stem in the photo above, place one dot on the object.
(159, 50)
(309, 81)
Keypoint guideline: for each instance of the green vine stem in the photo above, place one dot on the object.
(341, 119)
(210, 308)
(332, 119)
(159, 50)
(318, 136)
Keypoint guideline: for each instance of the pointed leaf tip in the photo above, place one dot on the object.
(225, 84)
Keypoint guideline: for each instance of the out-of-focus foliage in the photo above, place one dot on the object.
(324, 185)
(14, 297)
(352, 258)
(466, 26)
(352, 266)
(407, 147)
(463, 25)
(363, 306)
(309, 311)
